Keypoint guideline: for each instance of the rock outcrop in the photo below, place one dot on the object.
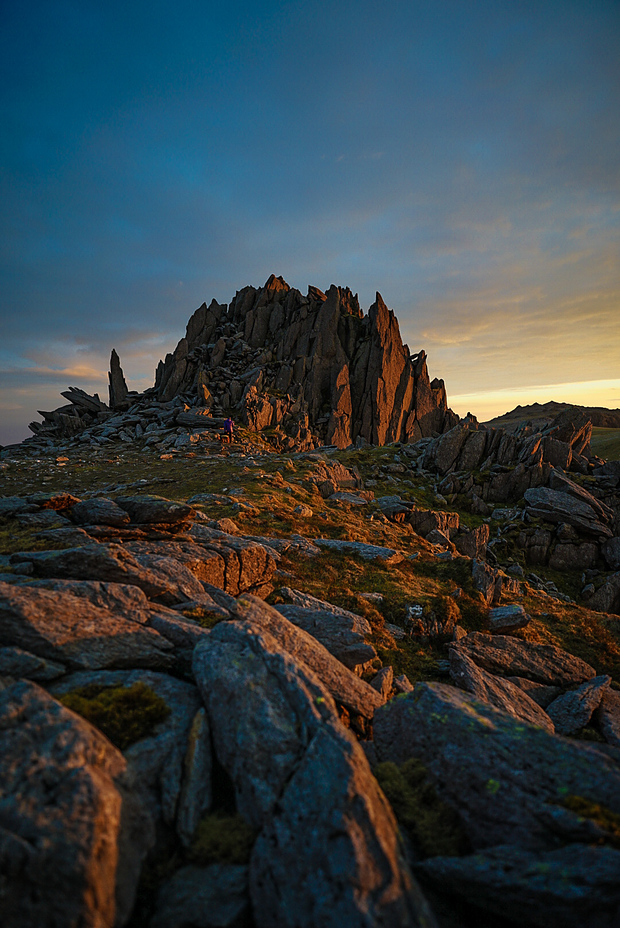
(313, 368)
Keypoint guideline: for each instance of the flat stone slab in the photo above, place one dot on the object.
(69, 630)
(572, 887)
(93, 562)
(542, 663)
(367, 552)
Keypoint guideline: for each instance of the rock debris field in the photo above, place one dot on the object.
(358, 667)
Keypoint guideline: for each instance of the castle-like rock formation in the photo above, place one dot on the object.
(313, 366)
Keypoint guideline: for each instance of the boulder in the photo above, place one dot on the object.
(305, 782)
(506, 779)
(204, 897)
(73, 838)
(556, 506)
(424, 521)
(366, 552)
(607, 717)
(123, 599)
(473, 543)
(170, 769)
(569, 887)
(15, 662)
(542, 663)
(154, 509)
(93, 562)
(69, 630)
(497, 692)
(508, 618)
(607, 597)
(492, 582)
(539, 692)
(342, 632)
(99, 511)
(345, 687)
(574, 709)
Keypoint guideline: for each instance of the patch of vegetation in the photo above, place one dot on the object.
(433, 826)
(125, 714)
(15, 537)
(226, 839)
(607, 821)
(204, 617)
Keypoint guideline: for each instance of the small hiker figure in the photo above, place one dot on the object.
(228, 430)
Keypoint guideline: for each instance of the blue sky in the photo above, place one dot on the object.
(460, 157)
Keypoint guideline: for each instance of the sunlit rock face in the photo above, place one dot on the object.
(312, 365)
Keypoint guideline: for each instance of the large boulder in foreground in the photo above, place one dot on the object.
(303, 780)
(71, 842)
(508, 781)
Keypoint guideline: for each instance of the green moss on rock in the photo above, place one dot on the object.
(125, 714)
(222, 839)
(432, 825)
(607, 821)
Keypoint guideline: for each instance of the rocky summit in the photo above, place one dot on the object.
(312, 370)
(356, 664)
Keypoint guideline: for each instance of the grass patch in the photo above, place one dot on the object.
(606, 443)
(125, 714)
(15, 537)
(226, 839)
(433, 827)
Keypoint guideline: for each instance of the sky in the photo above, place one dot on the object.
(460, 157)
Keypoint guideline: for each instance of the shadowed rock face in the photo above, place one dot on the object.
(337, 373)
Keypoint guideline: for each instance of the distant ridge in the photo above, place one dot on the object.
(540, 413)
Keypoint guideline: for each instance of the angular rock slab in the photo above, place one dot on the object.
(508, 618)
(170, 768)
(70, 630)
(340, 631)
(328, 856)
(123, 599)
(344, 686)
(300, 776)
(497, 692)
(571, 711)
(204, 897)
(65, 857)
(502, 776)
(94, 562)
(542, 663)
(573, 887)
(608, 717)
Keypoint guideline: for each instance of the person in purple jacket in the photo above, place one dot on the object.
(228, 429)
